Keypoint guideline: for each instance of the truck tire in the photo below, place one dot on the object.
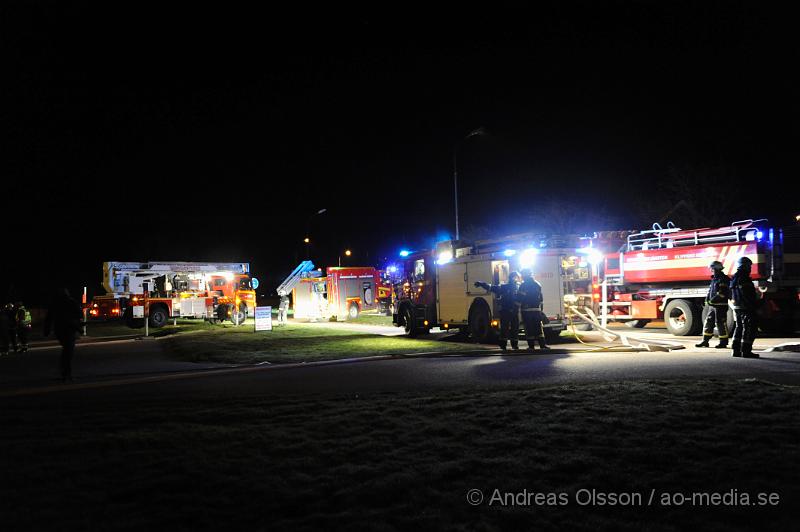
(730, 322)
(408, 323)
(682, 318)
(637, 324)
(352, 311)
(158, 317)
(480, 323)
(239, 315)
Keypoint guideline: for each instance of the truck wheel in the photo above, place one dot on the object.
(408, 323)
(682, 318)
(352, 311)
(480, 326)
(239, 315)
(158, 317)
(637, 324)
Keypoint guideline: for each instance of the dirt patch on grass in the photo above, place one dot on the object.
(400, 461)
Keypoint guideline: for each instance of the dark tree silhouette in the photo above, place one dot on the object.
(695, 196)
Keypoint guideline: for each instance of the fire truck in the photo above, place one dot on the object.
(160, 291)
(342, 293)
(436, 288)
(663, 273)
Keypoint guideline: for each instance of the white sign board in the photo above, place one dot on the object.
(263, 318)
(138, 311)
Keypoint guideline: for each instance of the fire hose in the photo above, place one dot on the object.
(642, 344)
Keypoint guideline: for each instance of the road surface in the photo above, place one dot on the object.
(140, 369)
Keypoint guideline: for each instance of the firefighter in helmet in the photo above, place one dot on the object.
(530, 296)
(23, 322)
(745, 301)
(509, 308)
(717, 302)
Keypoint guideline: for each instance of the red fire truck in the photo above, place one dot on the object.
(343, 293)
(663, 274)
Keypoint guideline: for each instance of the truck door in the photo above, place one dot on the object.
(548, 272)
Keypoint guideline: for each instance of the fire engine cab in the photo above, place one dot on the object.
(436, 288)
(663, 273)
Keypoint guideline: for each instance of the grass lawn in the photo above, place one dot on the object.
(372, 319)
(294, 343)
(403, 461)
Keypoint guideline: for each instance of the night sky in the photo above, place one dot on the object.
(216, 135)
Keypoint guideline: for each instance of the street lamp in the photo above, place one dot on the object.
(307, 239)
(347, 253)
(479, 131)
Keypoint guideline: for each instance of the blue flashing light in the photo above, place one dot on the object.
(510, 252)
(759, 234)
(405, 253)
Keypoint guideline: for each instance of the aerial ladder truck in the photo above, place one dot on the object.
(160, 291)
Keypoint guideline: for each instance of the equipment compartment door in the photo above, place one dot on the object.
(548, 272)
(451, 294)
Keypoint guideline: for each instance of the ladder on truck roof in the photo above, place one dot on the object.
(671, 236)
(198, 267)
(291, 281)
(116, 272)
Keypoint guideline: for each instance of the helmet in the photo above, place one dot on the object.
(527, 272)
(716, 265)
(514, 274)
(744, 263)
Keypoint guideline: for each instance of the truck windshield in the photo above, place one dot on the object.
(245, 284)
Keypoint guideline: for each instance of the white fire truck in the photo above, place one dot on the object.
(159, 291)
(436, 288)
(663, 274)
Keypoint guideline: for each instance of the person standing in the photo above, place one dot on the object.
(64, 318)
(283, 309)
(717, 302)
(531, 298)
(509, 309)
(4, 332)
(11, 325)
(745, 302)
(23, 325)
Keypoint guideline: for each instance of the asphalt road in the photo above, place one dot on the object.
(140, 369)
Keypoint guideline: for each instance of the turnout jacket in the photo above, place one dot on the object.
(506, 294)
(719, 290)
(743, 292)
(530, 295)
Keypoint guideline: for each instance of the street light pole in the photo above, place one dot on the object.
(479, 131)
(307, 239)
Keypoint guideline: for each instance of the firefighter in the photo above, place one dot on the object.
(11, 325)
(23, 322)
(530, 296)
(745, 302)
(283, 309)
(509, 308)
(717, 303)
